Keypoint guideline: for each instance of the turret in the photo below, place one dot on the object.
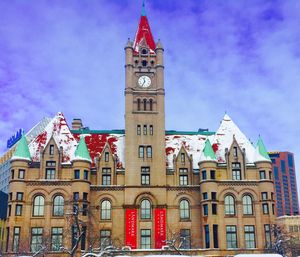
(81, 178)
(19, 174)
(265, 177)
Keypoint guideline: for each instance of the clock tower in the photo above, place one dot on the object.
(145, 160)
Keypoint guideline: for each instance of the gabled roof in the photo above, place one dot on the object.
(22, 150)
(82, 152)
(195, 143)
(261, 151)
(224, 138)
(208, 153)
(59, 130)
(143, 35)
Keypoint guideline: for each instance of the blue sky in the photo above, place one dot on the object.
(242, 57)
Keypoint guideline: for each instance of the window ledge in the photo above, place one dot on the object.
(230, 216)
(185, 220)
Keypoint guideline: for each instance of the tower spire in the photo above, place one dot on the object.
(143, 13)
(143, 35)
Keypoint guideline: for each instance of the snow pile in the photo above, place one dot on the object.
(259, 255)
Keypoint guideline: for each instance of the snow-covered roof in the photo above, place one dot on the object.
(96, 142)
(59, 130)
(224, 138)
(193, 142)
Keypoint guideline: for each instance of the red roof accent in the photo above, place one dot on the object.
(144, 32)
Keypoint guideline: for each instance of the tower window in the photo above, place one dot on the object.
(138, 129)
(262, 174)
(145, 175)
(145, 104)
(144, 51)
(151, 104)
(214, 208)
(136, 62)
(76, 174)
(141, 151)
(145, 130)
(86, 174)
(21, 174)
(151, 129)
(144, 63)
(149, 151)
(139, 104)
(145, 238)
(152, 63)
(212, 174)
(145, 209)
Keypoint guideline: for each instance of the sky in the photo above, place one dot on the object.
(240, 57)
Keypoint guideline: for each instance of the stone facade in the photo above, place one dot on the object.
(221, 205)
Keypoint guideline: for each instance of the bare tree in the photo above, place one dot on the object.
(175, 241)
(77, 230)
(283, 242)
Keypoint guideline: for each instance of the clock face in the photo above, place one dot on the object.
(144, 81)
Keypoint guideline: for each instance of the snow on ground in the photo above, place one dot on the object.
(259, 255)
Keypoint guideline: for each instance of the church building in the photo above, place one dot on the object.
(212, 192)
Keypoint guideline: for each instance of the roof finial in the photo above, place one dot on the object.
(143, 9)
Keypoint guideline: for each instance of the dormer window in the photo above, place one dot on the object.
(235, 151)
(106, 156)
(51, 150)
(182, 157)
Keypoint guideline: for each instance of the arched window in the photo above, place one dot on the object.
(38, 206)
(229, 205)
(58, 206)
(105, 210)
(144, 63)
(145, 104)
(149, 151)
(151, 104)
(184, 208)
(139, 104)
(247, 205)
(145, 209)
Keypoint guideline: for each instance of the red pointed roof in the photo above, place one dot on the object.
(144, 35)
